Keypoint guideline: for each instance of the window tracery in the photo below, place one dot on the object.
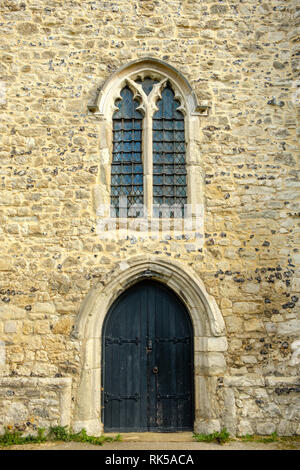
(147, 78)
(148, 156)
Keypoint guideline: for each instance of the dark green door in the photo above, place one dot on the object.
(147, 362)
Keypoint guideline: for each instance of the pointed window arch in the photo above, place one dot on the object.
(159, 164)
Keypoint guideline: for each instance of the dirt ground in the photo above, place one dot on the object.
(154, 441)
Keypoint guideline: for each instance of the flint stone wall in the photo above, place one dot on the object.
(242, 58)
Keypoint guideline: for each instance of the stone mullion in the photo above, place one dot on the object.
(148, 161)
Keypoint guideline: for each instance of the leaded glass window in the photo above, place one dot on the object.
(148, 163)
(127, 167)
(169, 172)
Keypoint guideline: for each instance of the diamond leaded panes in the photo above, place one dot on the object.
(127, 168)
(166, 156)
(169, 172)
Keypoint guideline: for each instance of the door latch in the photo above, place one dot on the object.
(155, 370)
(149, 344)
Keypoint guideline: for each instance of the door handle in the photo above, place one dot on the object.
(155, 370)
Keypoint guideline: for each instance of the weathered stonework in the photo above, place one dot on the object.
(237, 64)
(31, 402)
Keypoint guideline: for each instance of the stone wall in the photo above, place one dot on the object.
(31, 403)
(255, 404)
(239, 56)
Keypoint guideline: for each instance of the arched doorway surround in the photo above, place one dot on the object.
(209, 337)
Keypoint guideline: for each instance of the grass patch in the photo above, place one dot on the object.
(219, 437)
(10, 438)
(56, 433)
(61, 433)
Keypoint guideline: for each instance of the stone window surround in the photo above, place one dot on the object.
(103, 111)
(210, 341)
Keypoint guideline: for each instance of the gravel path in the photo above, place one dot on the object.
(160, 442)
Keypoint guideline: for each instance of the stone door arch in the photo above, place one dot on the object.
(209, 337)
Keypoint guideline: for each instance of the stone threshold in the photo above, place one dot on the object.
(154, 436)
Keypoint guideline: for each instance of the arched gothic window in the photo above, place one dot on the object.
(148, 173)
(150, 161)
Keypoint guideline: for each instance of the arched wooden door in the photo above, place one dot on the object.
(147, 362)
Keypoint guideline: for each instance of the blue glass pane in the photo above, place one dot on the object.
(147, 84)
(170, 201)
(126, 190)
(157, 135)
(118, 136)
(127, 169)
(168, 146)
(179, 135)
(169, 157)
(115, 180)
(137, 169)
(126, 179)
(179, 158)
(157, 124)
(127, 136)
(137, 179)
(114, 169)
(114, 191)
(179, 125)
(137, 135)
(168, 135)
(180, 169)
(179, 147)
(117, 157)
(180, 191)
(157, 190)
(127, 106)
(127, 125)
(169, 190)
(128, 146)
(180, 179)
(127, 157)
(158, 179)
(117, 125)
(168, 125)
(178, 115)
(157, 146)
(169, 179)
(136, 157)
